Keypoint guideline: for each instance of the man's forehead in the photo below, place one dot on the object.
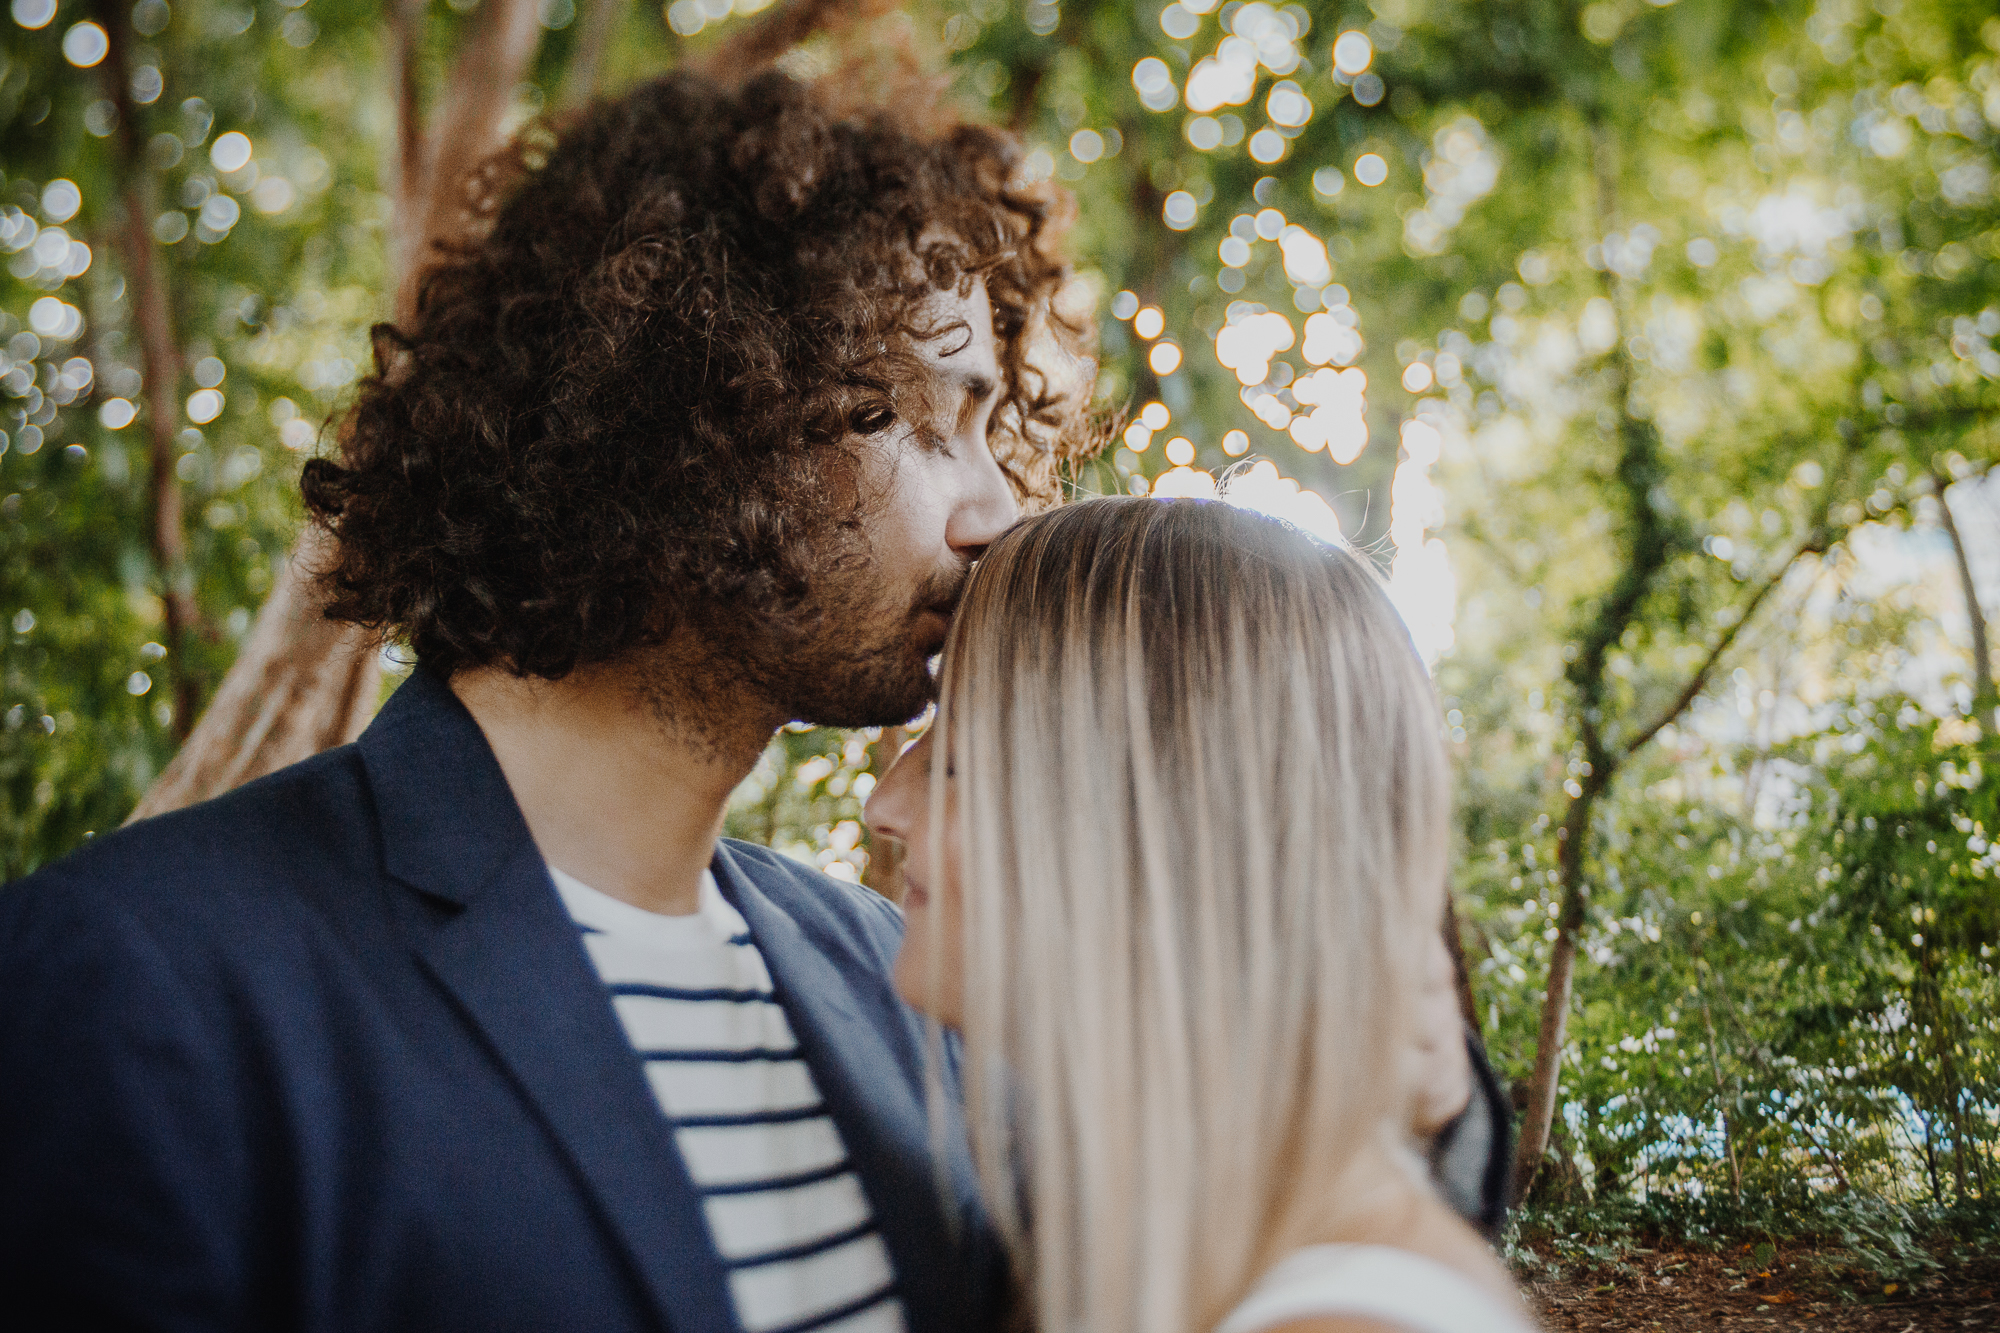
(964, 346)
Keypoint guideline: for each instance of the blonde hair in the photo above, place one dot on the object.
(1202, 805)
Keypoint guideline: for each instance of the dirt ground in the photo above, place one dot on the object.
(1675, 1290)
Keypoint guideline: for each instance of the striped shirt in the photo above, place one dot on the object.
(784, 1205)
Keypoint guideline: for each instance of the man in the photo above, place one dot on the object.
(476, 1024)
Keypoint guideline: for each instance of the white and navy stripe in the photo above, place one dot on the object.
(783, 1203)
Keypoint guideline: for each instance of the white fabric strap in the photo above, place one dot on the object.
(1371, 1282)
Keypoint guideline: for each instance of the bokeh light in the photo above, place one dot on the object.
(1261, 488)
(204, 406)
(1185, 483)
(1352, 51)
(85, 44)
(33, 14)
(55, 319)
(1154, 83)
(230, 152)
(60, 200)
(1248, 342)
(1179, 22)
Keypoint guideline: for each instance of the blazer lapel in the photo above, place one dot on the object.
(866, 1053)
(508, 954)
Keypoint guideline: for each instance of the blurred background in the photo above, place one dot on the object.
(1647, 344)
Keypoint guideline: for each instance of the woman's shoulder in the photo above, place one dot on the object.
(1352, 1288)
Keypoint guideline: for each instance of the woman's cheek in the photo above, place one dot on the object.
(912, 966)
(947, 939)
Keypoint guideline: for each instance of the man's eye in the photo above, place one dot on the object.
(872, 419)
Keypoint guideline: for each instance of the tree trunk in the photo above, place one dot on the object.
(600, 22)
(1454, 945)
(435, 207)
(159, 352)
(753, 46)
(1546, 1080)
(1982, 649)
(1722, 1095)
(302, 684)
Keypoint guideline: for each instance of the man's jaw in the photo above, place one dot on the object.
(865, 680)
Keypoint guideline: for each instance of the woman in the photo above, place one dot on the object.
(1188, 855)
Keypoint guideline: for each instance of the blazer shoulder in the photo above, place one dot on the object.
(809, 894)
(220, 855)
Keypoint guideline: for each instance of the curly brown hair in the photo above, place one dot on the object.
(627, 409)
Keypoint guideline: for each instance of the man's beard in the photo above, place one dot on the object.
(850, 656)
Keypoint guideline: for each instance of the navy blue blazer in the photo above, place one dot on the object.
(327, 1054)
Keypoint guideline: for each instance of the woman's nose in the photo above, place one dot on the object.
(889, 808)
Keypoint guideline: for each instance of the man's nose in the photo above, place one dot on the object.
(986, 509)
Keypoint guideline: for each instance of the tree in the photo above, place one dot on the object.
(302, 684)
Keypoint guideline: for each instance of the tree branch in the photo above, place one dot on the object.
(1454, 944)
(1982, 658)
(1699, 681)
(750, 48)
(160, 354)
(406, 50)
(465, 130)
(600, 24)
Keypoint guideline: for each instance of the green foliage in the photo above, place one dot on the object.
(804, 797)
(1798, 995)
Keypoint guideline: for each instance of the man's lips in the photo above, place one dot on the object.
(933, 626)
